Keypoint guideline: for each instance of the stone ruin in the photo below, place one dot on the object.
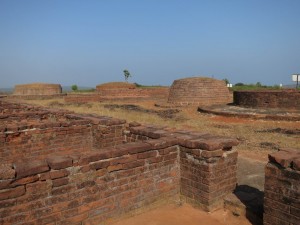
(199, 91)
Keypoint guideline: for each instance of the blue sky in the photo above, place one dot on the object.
(91, 42)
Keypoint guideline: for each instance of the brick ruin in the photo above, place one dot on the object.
(200, 91)
(285, 99)
(64, 168)
(282, 188)
(58, 167)
(119, 91)
(37, 89)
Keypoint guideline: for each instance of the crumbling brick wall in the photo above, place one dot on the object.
(285, 99)
(200, 91)
(106, 178)
(89, 189)
(208, 163)
(282, 188)
(33, 133)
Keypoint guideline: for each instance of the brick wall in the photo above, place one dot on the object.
(106, 168)
(88, 189)
(200, 91)
(117, 94)
(208, 163)
(286, 99)
(282, 188)
(33, 133)
(36, 97)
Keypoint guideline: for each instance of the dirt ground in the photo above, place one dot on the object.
(183, 215)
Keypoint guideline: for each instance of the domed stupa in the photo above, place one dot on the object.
(200, 91)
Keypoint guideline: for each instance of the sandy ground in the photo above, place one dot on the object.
(183, 215)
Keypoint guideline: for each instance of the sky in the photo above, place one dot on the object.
(90, 42)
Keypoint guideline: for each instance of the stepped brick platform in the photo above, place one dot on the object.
(200, 91)
(63, 168)
(37, 89)
(119, 91)
(252, 113)
(281, 99)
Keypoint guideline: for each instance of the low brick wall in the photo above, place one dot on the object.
(285, 99)
(134, 93)
(33, 133)
(208, 164)
(88, 189)
(111, 94)
(282, 188)
(35, 97)
(105, 178)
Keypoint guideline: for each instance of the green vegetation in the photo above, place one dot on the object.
(74, 87)
(126, 75)
(147, 86)
(86, 90)
(257, 86)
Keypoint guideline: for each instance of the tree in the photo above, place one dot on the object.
(239, 84)
(74, 87)
(226, 81)
(126, 75)
(258, 84)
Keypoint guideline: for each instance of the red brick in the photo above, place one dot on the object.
(210, 154)
(24, 180)
(283, 158)
(6, 171)
(133, 147)
(134, 124)
(62, 190)
(162, 142)
(115, 168)
(54, 174)
(59, 162)
(296, 164)
(12, 193)
(24, 169)
(60, 182)
(93, 157)
(212, 143)
(85, 168)
(148, 154)
(123, 159)
(100, 165)
(4, 184)
(38, 187)
(133, 164)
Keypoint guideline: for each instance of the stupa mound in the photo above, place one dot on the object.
(199, 91)
(37, 89)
